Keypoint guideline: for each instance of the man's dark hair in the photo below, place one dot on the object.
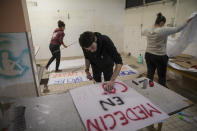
(86, 39)
(160, 18)
(61, 24)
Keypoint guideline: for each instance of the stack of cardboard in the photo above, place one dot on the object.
(186, 61)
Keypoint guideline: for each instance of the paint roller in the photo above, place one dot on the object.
(73, 43)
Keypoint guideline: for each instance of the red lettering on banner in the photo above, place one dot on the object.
(122, 117)
(63, 75)
(83, 72)
(95, 125)
(141, 112)
(75, 73)
(56, 75)
(71, 74)
(125, 88)
(103, 123)
(136, 117)
(114, 121)
(150, 112)
(108, 121)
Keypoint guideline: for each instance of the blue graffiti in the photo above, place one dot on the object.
(125, 73)
(4, 42)
(61, 81)
(69, 80)
(74, 80)
(10, 66)
(5, 39)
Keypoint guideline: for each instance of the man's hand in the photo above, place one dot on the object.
(89, 75)
(109, 86)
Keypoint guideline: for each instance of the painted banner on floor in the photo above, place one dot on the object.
(67, 64)
(122, 109)
(80, 76)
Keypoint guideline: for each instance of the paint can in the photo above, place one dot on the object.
(145, 83)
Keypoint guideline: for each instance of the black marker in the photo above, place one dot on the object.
(135, 82)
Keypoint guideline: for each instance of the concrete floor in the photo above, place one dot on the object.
(184, 86)
(187, 88)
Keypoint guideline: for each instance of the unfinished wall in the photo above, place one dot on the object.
(105, 16)
(140, 18)
(17, 64)
(12, 15)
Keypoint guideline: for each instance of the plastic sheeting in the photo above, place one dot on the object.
(175, 46)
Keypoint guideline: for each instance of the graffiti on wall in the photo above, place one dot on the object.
(11, 66)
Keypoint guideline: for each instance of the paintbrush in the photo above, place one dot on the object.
(73, 43)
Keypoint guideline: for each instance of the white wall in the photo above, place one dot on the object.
(105, 16)
(145, 16)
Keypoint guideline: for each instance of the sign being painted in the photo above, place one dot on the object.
(80, 76)
(122, 109)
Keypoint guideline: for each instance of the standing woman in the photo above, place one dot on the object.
(155, 55)
(56, 42)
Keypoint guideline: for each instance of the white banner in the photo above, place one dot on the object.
(121, 110)
(68, 64)
(80, 76)
(188, 36)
